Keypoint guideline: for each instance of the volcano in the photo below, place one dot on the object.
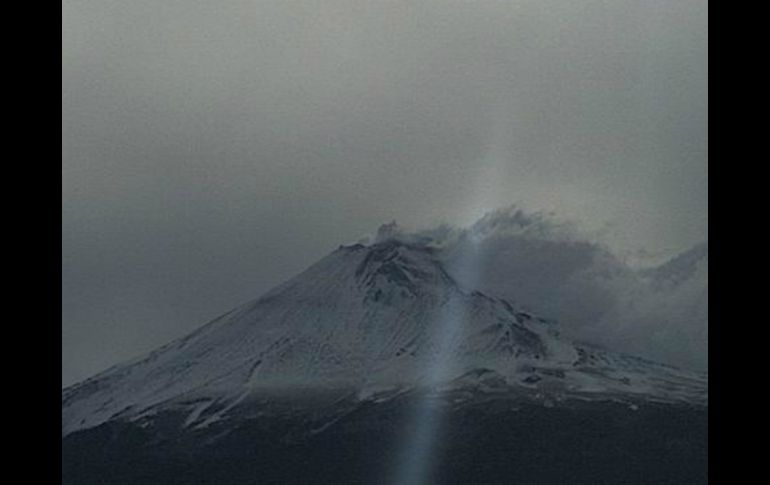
(316, 380)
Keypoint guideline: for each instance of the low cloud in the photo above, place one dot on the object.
(548, 266)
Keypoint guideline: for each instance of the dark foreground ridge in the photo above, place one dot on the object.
(336, 441)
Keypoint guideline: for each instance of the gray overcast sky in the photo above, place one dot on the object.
(212, 149)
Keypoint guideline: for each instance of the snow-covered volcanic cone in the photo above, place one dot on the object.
(368, 319)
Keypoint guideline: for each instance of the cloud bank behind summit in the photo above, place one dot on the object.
(552, 268)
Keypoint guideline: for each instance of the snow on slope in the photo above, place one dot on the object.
(368, 318)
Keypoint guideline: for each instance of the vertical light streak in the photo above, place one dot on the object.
(417, 458)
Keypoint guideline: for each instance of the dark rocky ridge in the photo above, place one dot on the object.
(491, 439)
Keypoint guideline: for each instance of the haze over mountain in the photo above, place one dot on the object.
(211, 150)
